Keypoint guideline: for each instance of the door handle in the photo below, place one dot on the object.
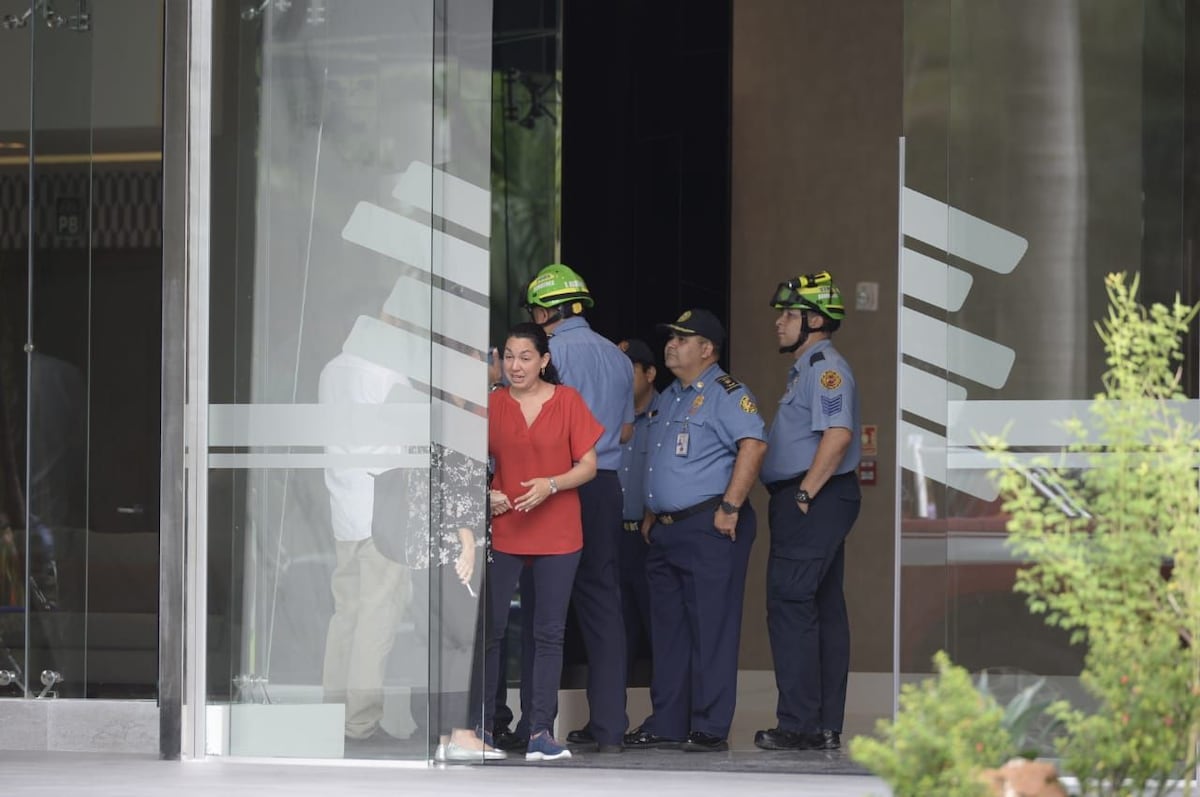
(136, 509)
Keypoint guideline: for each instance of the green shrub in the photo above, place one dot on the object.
(1115, 557)
(945, 733)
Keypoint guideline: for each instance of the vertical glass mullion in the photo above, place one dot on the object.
(30, 243)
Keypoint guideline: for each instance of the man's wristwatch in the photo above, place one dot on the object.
(730, 509)
(802, 497)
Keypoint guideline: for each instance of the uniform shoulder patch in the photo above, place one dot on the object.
(729, 383)
(816, 358)
(831, 380)
(748, 406)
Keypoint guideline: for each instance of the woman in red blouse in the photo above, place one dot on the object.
(542, 438)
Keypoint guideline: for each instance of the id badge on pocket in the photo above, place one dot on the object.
(681, 444)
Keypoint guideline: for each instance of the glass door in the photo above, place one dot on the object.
(346, 307)
(80, 349)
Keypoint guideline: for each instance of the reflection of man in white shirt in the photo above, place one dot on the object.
(368, 589)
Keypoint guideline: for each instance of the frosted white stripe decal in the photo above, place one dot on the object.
(961, 234)
(958, 351)
(457, 318)
(976, 459)
(926, 395)
(460, 430)
(445, 195)
(269, 461)
(1030, 423)
(925, 454)
(346, 425)
(385, 429)
(419, 358)
(961, 547)
(933, 281)
(411, 242)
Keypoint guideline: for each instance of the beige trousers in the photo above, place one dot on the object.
(368, 595)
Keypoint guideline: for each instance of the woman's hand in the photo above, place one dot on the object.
(539, 491)
(498, 502)
(464, 566)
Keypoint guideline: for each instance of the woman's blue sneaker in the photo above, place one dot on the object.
(543, 747)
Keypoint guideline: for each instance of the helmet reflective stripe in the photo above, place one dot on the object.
(557, 284)
(811, 292)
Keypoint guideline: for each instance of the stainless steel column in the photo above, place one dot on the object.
(172, 515)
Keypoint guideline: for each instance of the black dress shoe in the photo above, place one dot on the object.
(779, 739)
(581, 736)
(821, 740)
(508, 741)
(701, 742)
(644, 740)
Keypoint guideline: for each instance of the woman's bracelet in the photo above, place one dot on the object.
(553, 486)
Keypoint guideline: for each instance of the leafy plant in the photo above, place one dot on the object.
(945, 733)
(1030, 727)
(1115, 556)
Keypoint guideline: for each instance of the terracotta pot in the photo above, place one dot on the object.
(1023, 778)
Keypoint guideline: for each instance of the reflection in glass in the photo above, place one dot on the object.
(1047, 125)
(80, 295)
(350, 287)
(368, 585)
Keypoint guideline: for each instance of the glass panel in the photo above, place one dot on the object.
(526, 216)
(1045, 146)
(348, 331)
(526, 147)
(14, 319)
(88, 387)
(60, 363)
(923, 386)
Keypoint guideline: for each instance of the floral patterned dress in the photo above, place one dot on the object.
(419, 511)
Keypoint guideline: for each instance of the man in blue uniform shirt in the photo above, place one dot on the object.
(556, 299)
(811, 473)
(704, 448)
(635, 589)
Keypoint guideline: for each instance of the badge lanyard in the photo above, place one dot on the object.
(682, 440)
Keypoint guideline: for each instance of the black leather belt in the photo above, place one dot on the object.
(667, 518)
(775, 487)
(631, 525)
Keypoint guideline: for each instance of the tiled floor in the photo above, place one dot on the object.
(59, 774)
(751, 760)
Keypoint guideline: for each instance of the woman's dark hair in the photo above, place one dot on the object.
(541, 341)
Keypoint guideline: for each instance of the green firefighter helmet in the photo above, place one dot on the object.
(811, 292)
(558, 285)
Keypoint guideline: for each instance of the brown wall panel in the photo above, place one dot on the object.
(816, 127)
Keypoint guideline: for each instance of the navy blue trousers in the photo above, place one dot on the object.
(552, 577)
(596, 601)
(697, 580)
(635, 597)
(806, 606)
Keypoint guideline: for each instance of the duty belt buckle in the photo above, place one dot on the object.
(666, 520)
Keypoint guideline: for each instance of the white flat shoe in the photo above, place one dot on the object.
(455, 752)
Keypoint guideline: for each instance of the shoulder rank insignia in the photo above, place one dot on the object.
(747, 405)
(816, 358)
(729, 383)
(831, 380)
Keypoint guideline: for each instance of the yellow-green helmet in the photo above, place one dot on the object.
(556, 285)
(811, 292)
